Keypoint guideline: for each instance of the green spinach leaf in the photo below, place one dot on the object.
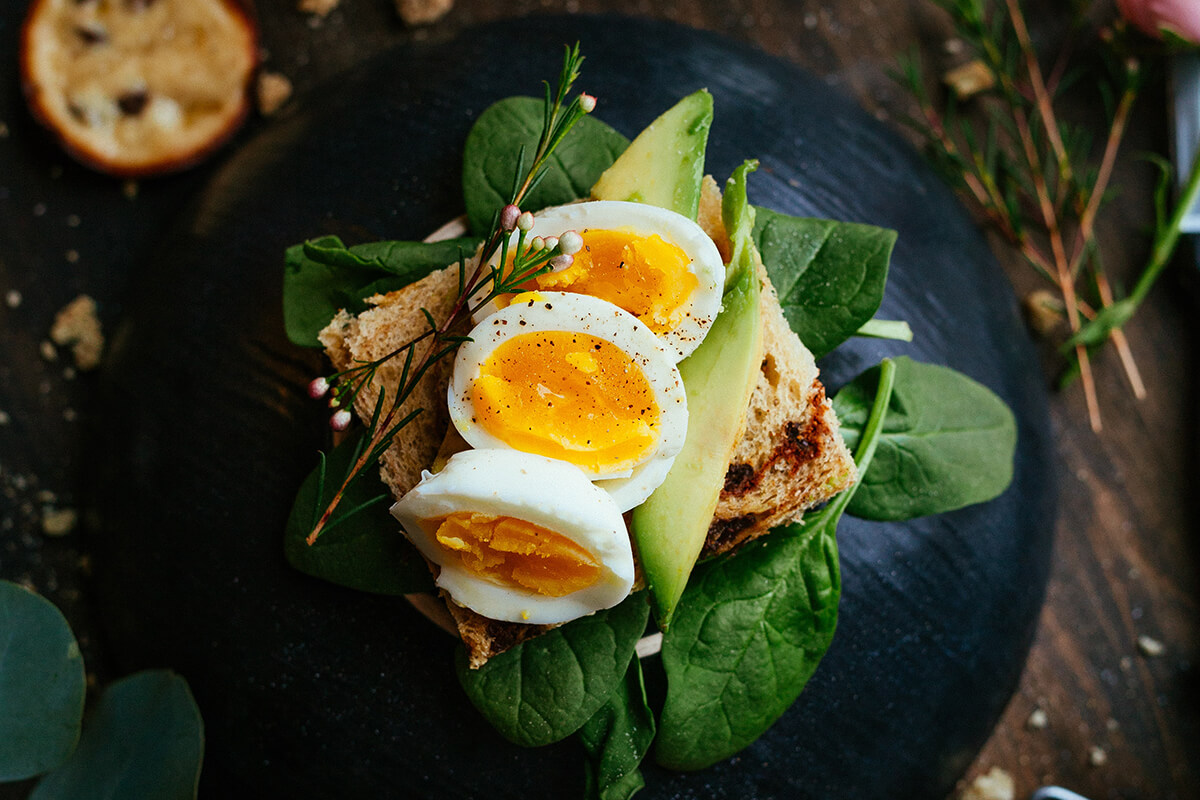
(948, 442)
(323, 275)
(361, 547)
(145, 739)
(829, 275)
(617, 738)
(41, 685)
(546, 688)
(490, 159)
(751, 630)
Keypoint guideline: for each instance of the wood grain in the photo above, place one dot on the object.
(1125, 563)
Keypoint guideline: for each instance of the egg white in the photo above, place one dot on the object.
(564, 311)
(553, 494)
(697, 314)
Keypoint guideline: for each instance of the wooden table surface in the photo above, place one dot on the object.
(1118, 722)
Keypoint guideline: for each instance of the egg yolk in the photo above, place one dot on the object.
(515, 552)
(570, 396)
(645, 275)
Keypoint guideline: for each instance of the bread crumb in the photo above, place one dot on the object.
(422, 12)
(1037, 720)
(319, 7)
(1043, 311)
(4, 418)
(970, 79)
(59, 522)
(78, 326)
(46, 348)
(1097, 757)
(129, 189)
(72, 256)
(996, 784)
(3, 131)
(12, 298)
(73, 220)
(274, 89)
(1150, 647)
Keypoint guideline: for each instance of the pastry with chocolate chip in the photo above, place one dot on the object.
(139, 87)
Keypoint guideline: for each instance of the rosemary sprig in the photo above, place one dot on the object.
(1030, 176)
(482, 278)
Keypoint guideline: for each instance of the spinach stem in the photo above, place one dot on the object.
(894, 329)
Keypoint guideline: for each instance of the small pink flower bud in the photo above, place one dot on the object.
(551, 242)
(561, 262)
(525, 221)
(340, 420)
(587, 103)
(318, 388)
(508, 217)
(570, 242)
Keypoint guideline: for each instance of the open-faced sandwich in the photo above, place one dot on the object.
(599, 408)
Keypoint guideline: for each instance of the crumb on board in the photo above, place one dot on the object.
(422, 12)
(995, 784)
(319, 7)
(1097, 757)
(4, 418)
(969, 79)
(1149, 646)
(1038, 720)
(12, 298)
(129, 189)
(273, 91)
(77, 325)
(48, 353)
(3, 131)
(59, 521)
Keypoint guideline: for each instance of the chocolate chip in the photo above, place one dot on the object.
(133, 102)
(91, 35)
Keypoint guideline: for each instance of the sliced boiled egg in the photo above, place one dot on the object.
(574, 378)
(520, 537)
(656, 264)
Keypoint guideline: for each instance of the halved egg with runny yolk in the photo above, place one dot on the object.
(519, 537)
(656, 264)
(574, 378)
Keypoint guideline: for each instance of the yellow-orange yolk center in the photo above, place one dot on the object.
(570, 396)
(516, 552)
(645, 275)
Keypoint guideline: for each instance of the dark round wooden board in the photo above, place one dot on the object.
(309, 690)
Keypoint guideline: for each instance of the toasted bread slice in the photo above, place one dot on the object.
(790, 457)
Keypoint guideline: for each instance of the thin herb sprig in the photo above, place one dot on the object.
(482, 278)
(1030, 175)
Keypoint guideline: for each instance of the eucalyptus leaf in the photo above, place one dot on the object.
(323, 275)
(495, 140)
(617, 738)
(145, 739)
(752, 627)
(829, 275)
(948, 442)
(41, 685)
(545, 689)
(368, 551)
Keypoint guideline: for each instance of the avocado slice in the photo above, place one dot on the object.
(665, 163)
(670, 527)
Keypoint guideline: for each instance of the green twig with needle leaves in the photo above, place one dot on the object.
(479, 282)
(1032, 177)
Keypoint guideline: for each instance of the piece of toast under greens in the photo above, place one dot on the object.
(790, 456)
